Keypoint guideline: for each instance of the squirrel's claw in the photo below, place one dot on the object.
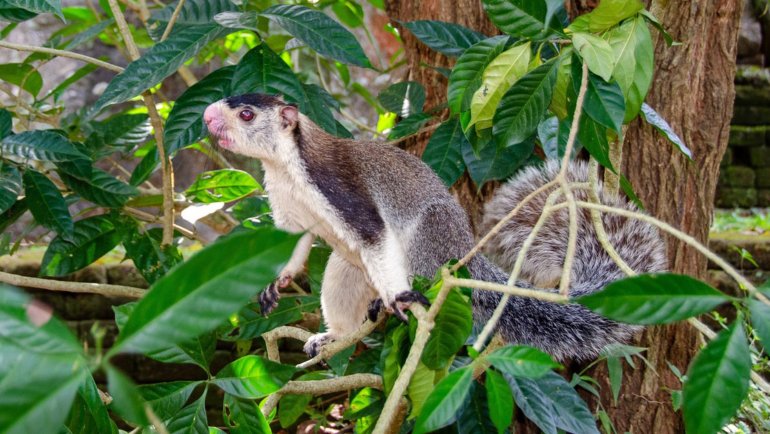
(313, 345)
(268, 299)
(403, 300)
(373, 311)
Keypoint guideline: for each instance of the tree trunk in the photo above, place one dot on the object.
(693, 90)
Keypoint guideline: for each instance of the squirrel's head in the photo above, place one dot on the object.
(254, 125)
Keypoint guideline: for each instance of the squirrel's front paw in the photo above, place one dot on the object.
(268, 299)
(402, 301)
(313, 345)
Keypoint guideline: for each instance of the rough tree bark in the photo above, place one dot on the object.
(693, 90)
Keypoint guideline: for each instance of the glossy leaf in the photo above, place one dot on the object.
(41, 145)
(597, 53)
(199, 294)
(160, 61)
(522, 361)
(441, 407)
(443, 153)
(632, 48)
(593, 137)
(653, 118)
(16, 15)
(124, 129)
(222, 185)
(496, 162)
(316, 105)
(253, 377)
(126, 400)
(420, 387)
(603, 102)
(193, 12)
(37, 6)
(519, 18)
(166, 399)
(252, 324)
(717, 382)
(409, 126)
(404, 98)
(47, 204)
(146, 167)
(149, 257)
(6, 124)
(260, 70)
(499, 394)
(191, 419)
(553, 135)
(10, 186)
(88, 413)
(243, 416)
(22, 75)
(101, 188)
(449, 39)
(466, 76)
(551, 403)
(91, 239)
(564, 76)
(607, 14)
(319, 32)
(524, 105)
(760, 320)
(498, 77)
(453, 325)
(184, 125)
(368, 401)
(654, 299)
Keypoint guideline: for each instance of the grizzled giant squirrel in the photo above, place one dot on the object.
(388, 217)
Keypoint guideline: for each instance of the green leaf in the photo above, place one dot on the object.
(6, 124)
(292, 407)
(653, 118)
(88, 413)
(594, 138)
(47, 204)
(420, 387)
(717, 381)
(519, 18)
(524, 105)
(13, 213)
(615, 374)
(404, 98)
(443, 152)
(199, 294)
(260, 70)
(253, 377)
(442, 405)
(91, 239)
(551, 403)
(608, 14)
(447, 38)
(319, 32)
(124, 130)
(41, 145)
(149, 257)
(10, 186)
(596, 52)
(15, 15)
(243, 416)
(222, 185)
(553, 135)
(37, 6)
(367, 402)
(146, 167)
(632, 48)
(603, 102)
(23, 75)
(473, 416)
(349, 12)
(760, 320)
(522, 361)
(193, 12)
(453, 325)
(564, 76)
(166, 399)
(467, 74)
(317, 105)
(498, 77)
(184, 125)
(499, 394)
(393, 356)
(191, 419)
(496, 162)
(409, 126)
(102, 188)
(160, 61)
(252, 324)
(654, 299)
(654, 21)
(126, 400)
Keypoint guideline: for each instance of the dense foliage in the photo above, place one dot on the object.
(510, 98)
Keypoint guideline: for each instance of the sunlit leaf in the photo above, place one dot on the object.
(597, 53)
(466, 76)
(23, 75)
(607, 14)
(453, 325)
(442, 405)
(653, 118)
(222, 185)
(243, 416)
(191, 419)
(253, 377)
(632, 47)
(522, 361)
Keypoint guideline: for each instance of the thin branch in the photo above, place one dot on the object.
(322, 387)
(57, 285)
(422, 130)
(167, 169)
(335, 347)
(151, 218)
(61, 53)
(172, 20)
(271, 339)
(508, 289)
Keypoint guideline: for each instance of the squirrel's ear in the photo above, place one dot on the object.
(289, 117)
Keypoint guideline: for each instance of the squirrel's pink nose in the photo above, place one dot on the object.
(212, 114)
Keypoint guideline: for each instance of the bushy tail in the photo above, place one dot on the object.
(565, 331)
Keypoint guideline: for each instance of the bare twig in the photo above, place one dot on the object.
(322, 387)
(57, 285)
(508, 289)
(172, 20)
(335, 347)
(61, 53)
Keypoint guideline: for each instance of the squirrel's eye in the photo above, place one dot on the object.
(246, 115)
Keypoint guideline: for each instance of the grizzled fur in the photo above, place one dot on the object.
(388, 217)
